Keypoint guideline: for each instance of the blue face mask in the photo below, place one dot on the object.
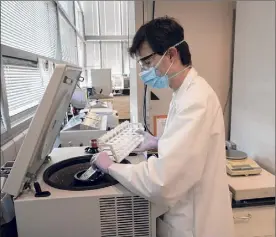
(150, 77)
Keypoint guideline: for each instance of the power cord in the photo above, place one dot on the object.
(145, 110)
(227, 99)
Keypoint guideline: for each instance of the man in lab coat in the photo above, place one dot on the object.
(189, 177)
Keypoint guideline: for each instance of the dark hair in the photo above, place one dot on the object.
(161, 34)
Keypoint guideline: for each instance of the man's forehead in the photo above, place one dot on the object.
(144, 50)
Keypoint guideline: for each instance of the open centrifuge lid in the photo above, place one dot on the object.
(44, 127)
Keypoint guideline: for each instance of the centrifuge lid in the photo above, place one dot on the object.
(44, 127)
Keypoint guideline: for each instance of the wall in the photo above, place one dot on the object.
(137, 87)
(208, 31)
(253, 103)
(133, 97)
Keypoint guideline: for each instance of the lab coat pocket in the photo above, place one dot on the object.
(163, 229)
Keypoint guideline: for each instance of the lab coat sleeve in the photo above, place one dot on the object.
(182, 155)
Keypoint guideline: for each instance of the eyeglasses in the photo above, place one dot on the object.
(145, 62)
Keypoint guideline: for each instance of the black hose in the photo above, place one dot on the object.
(145, 110)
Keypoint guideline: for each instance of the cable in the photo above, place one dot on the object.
(145, 110)
(227, 99)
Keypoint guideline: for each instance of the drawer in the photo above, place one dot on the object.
(254, 221)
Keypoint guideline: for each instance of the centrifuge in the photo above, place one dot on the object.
(50, 199)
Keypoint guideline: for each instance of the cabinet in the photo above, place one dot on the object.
(254, 221)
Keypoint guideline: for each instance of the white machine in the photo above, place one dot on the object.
(112, 115)
(239, 164)
(81, 129)
(49, 197)
(79, 99)
(89, 124)
(101, 80)
(94, 121)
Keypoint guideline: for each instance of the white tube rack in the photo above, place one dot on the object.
(121, 140)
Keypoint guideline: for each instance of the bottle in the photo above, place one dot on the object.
(94, 146)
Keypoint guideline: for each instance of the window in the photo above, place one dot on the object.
(37, 33)
(3, 126)
(93, 55)
(79, 26)
(112, 56)
(30, 26)
(109, 26)
(68, 7)
(79, 19)
(68, 40)
(110, 17)
(24, 88)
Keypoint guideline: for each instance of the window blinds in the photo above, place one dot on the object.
(80, 53)
(68, 7)
(68, 41)
(24, 87)
(109, 18)
(112, 56)
(93, 55)
(79, 26)
(91, 17)
(79, 20)
(30, 26)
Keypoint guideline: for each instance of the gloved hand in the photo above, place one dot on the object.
(102, 161)
(150, 142)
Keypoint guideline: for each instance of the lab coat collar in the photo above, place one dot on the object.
(187, 81)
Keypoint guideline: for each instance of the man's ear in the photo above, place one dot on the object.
(172, 52)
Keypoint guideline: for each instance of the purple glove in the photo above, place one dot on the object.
(150, 142)
(102, 161)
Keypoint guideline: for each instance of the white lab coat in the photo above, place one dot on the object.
(190, 174)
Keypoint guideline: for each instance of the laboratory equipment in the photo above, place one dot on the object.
(7, 209)
(232, 154)
(48, 192)
(91, 172)
(239, 164)
(122, 140)
(82, 128)
(112, 115)
(243, 167)
(100, 104)
(94, 121)
(101, 80)
(93, 149)
(79, 99)
(119, 143)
